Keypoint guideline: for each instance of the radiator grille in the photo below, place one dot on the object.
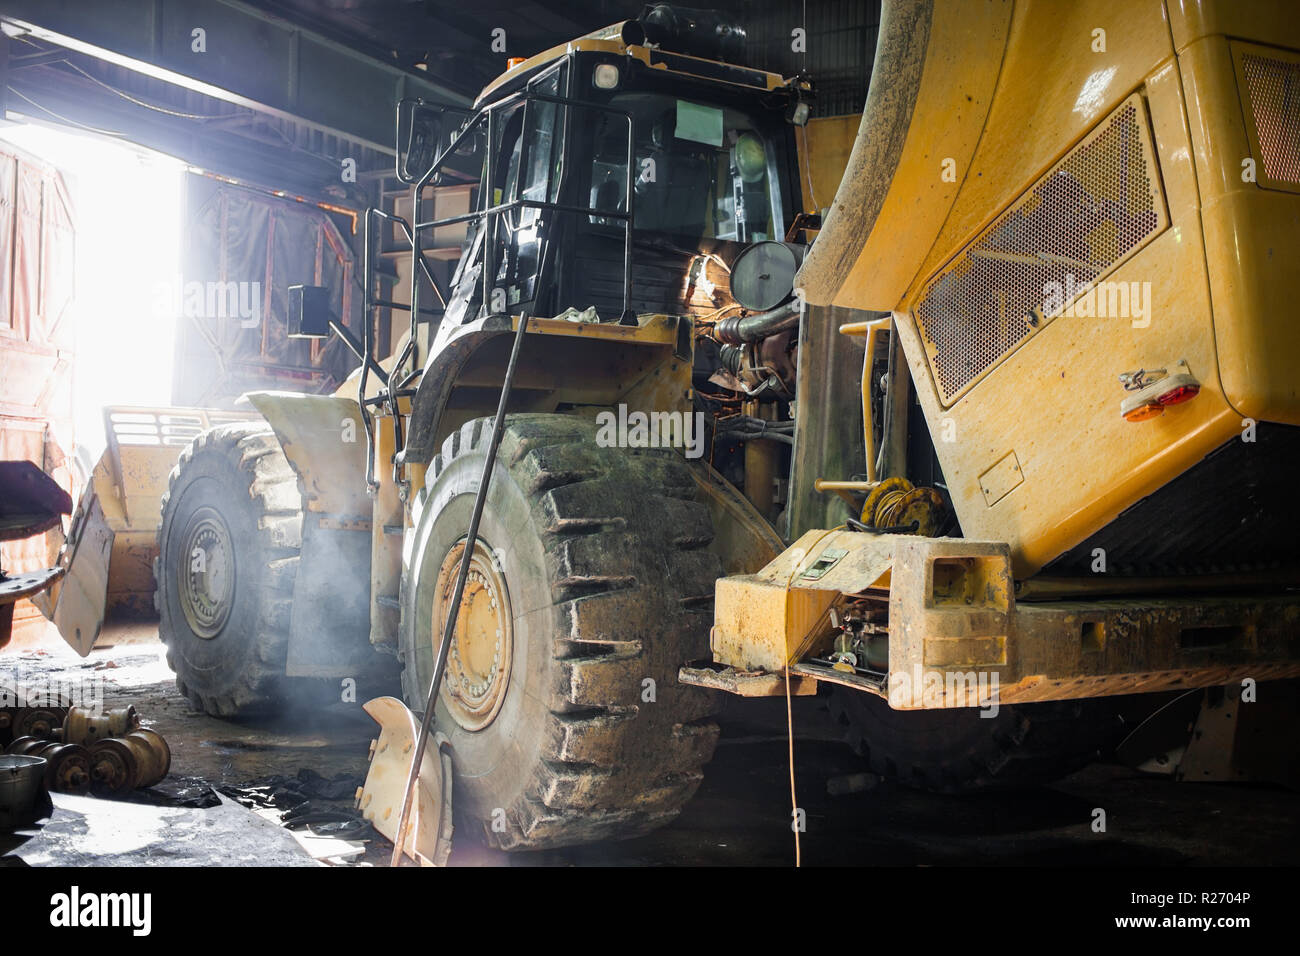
(1273, 92)
(1086, 216)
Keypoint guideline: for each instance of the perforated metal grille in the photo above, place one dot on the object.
(1089, 213)
(1273, 87)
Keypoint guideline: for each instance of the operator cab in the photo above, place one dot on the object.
(611, 177)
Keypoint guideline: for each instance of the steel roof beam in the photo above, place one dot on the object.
(249, 58)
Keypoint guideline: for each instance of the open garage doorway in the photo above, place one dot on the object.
(93, 227)
(127, 206)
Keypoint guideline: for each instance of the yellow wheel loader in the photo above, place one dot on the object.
(1005, 435)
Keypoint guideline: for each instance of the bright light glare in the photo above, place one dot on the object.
(127, 205)
(1092, 95)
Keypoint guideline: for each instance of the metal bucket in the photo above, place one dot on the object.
(21, 781)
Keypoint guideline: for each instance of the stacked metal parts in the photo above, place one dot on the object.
(106, 753)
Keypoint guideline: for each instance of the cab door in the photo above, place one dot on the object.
(528, 165)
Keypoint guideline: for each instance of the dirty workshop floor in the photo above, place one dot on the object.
(739, 817)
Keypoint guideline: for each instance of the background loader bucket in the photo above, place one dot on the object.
(120, 510)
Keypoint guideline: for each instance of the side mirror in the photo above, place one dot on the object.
(419, 131)
(309, 312)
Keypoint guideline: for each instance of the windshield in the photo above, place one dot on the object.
(701, 171)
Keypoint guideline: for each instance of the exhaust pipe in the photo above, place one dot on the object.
(738, 330)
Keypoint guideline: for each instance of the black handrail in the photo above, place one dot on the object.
(489, 215)
(414, 230)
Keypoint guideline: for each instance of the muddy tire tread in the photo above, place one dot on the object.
(254, 452)
(607, 770)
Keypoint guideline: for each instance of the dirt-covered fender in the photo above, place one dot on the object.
(323, 438)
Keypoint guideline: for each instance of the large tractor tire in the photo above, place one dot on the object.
(957, 751)
(227, 555)
(589, 588)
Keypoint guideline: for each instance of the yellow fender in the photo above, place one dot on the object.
(324, 440)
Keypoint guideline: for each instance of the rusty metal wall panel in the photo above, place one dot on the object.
(37, 240)
(264, 244)
(57, 263)
(8, 174)
(27, 251)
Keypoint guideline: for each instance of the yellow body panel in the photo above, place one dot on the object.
(389, 512)
(764, 620)
(322, 437)
(872, 270)
(1051, 91)
(1251, 252)
(1041, 421)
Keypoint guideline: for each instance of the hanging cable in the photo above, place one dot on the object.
(789, 709)
(60, 117)
(149, 106)
(794, 799)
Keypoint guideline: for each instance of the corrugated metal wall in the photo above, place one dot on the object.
(840, 42)
(37, 245)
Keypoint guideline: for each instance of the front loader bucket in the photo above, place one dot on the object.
(80, 601)
(143, 445)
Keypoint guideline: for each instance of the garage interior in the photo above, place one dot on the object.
(202, 200)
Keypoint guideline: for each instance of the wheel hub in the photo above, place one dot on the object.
(482, 647)
(207, 573)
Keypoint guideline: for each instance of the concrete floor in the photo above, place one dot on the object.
(741, 814)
